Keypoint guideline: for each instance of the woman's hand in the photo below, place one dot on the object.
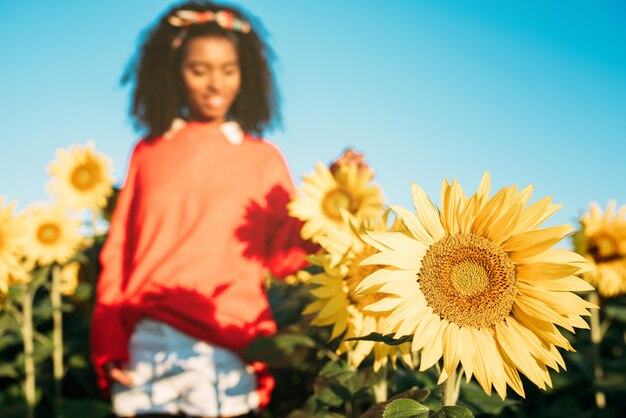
(115, 373)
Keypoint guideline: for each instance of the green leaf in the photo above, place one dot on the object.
(334, 368)
(8, 323)
(39, 277)
(405, 408)
(387, 339)
(83, 292)
(338, 383)
(453, 412)
(42, 311)
(8, 370)
(331, 391)
(78, 361)
(9, 340)
(414, 393)
(375, 411)
(327, 392)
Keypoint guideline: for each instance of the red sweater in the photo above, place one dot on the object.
(196, 226)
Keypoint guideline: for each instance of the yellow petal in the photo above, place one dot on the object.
(401, 261)
(433, 351)
(528, 244)
(383, 305)
(398, 242)
(413, 225)
(545, 271)
(427, 213)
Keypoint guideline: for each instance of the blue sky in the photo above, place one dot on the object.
(533, 91)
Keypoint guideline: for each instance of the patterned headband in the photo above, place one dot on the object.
(225, 19)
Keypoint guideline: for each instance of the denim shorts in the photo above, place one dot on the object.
(174, 373)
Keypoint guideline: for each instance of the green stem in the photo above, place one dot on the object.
(596, 340)
(29, 361)
(380, 387)
(450, 389)
(349, 354)
(415, 358)
(57, 332)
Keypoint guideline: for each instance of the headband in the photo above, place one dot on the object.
(225, 19)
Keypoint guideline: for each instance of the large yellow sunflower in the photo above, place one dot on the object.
(477, 284)
(52, 236)
(324, 194)
(338, 305)
(12, 267)
(81, 178)
(602, 240)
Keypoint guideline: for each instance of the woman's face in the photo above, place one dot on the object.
(212, 77)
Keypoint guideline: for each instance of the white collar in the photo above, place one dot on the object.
(231, 131)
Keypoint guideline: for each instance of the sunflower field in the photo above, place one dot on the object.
(461, 306)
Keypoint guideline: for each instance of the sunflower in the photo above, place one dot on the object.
(337, 304)
(12, 267)
(52, 236)
(324, 194)
(477, 283)
(602, 240)
(81, 178)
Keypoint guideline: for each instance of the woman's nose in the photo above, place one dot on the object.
(215, 81)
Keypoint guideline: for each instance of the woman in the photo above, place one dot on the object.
(200, 219)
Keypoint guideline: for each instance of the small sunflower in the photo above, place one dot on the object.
(477, 284)
(52, 236)
(81, 178)
(337, 304)
(324, 194)
(602, 240)
(12, 267)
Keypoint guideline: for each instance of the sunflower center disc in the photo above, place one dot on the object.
(48, 233)
(334, 201)
(468, 280)
(83, 177)
(604, 249)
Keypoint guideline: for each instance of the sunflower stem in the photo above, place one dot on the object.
(57, 332)
(596, 340)
(450, 389)
(29, 360)
(380, 387)
(415, 358)
(458, 383)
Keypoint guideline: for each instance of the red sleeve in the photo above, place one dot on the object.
(285, 249)
(109, 339)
